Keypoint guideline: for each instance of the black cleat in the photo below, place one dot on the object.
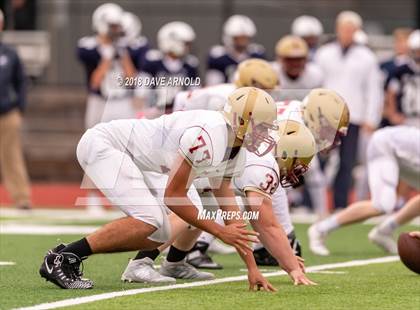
(202, 261)
(264, 258)
(63, 269)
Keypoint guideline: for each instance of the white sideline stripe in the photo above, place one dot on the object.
(7, 263)
(27, 229)
(92, 298)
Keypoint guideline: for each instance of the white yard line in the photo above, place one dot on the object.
(92, 298)
(28, 229)
(7, 263)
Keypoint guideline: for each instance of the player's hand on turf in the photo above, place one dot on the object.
(415, 234)
(257, 281)
(238, 236)
(299, 278)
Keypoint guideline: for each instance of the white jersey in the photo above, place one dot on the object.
(401, 142)
(200, 136)
(261, 175)
(290, 110)
(310, 78)
(208, 98)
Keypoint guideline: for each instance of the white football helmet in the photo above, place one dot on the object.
(174, 36)
(307, 26)
(131, 25)
(106, 15)
(414, 40)
(238, 25)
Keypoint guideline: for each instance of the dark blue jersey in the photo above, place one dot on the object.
(221, 60)
(156, 65)
(89, 54)
(405, 82)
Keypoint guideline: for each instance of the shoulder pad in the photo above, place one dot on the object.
(197, 147)
(139, 42)
(154, 55)
(254, 48)
(87, 42)
(192, 61)
(217, 51)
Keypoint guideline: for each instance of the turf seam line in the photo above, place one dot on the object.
(104, 296)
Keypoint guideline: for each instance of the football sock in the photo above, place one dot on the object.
(176, 255)
(81, 248)
(150, 254)
(201, 246)
(329, 224)
(388, 226)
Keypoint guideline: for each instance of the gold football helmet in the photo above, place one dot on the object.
(256, 73)
(294, 151)
(251, 113)
(292, 47)
(327, 116)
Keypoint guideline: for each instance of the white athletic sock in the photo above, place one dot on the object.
(388, 226)
(258, 246)
(327, 225)
(206, 237)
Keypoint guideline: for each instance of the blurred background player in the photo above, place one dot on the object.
(222, 61)
(172, 60)
(400, 57)
(310, 29)
(109, 55)
(403, 87)
(12, 106)
(352, 71)
(297, 77)
(391, 155)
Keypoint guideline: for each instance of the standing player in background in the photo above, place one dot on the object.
(222, 61)
(352, 71)
(172, 60)
(12, 105)
(403, 91)
(399, 58)
(297, 77)
(310, 29)
(106, 56)
(393, 153)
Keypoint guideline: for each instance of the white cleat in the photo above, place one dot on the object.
(183, 270)
(317, 241)
(384, 241)
(142, 271)
(220, 248)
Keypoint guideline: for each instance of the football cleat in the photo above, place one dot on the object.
(264, 258)
(317, 241)
(384, 241)
(202, 261)
(295, 244)
(142, 271)
(63, 269)
(183, 270)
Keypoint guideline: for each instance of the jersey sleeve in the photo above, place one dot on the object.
(261, 179)
(196, 146)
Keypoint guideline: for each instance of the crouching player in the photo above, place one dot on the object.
(183, 146)
(393, 153)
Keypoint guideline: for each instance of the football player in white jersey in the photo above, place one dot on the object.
(393, 153)
(183, 146)
(292, 67)
(253, 72)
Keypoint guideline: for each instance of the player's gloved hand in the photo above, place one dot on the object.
(121, 47)
(107, 51)
(257, 280)
(299, 278)
(415, 234)
(238, 236)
